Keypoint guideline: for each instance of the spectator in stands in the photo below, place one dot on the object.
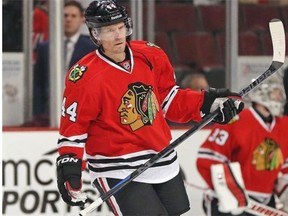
(40, 24)
(77, 45)
(258, 141)
(191, 76)
(196, 81)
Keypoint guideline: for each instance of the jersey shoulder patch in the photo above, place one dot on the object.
(150, 44)
(143, 44)
(76, 72)
(80, 68)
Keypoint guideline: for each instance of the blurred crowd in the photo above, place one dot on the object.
(189, 75)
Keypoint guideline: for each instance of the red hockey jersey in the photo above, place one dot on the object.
(261, 150)
(118, 115)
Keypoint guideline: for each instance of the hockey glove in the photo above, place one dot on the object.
(69, 179)
(218, 98)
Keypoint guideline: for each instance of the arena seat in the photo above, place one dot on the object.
(162, 40)
(176, 17)
(212, 17)
(266, 44)
(221, 46)
(197, 47)
(249, 44)
(216, 77)
(257, 17)
(284, 16)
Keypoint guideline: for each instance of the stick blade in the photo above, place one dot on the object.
(278, 40)
(91, 207)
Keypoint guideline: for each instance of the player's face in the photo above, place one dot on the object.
(277, 95)
(127, 109)
(113, 38)
(73, 20)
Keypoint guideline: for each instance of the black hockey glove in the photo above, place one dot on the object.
(69, 179)
(219, 98)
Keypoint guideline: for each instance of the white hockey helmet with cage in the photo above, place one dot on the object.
(271, 95)
(104, 13)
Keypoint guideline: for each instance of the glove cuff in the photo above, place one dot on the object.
(207, 103)
(69, 179)
(69, 166)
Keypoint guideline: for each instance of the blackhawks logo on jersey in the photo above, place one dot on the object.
(138, 106)
(267, 155)
(77, 72)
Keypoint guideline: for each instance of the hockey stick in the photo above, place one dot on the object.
(278, 43)
(259, 209)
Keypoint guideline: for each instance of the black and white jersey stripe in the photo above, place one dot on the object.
(72, 141)
(205, 153)
(168, 100)
(121, 166)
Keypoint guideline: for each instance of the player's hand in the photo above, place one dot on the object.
(222, 98)
(228, 109)
(69, 179)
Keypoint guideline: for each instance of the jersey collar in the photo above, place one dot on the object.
(113, 63)
(267, 127)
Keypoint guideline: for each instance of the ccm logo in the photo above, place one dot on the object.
(66, 160)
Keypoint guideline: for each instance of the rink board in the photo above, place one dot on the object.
(29, 174)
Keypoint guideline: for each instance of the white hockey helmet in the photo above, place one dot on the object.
(271, 95)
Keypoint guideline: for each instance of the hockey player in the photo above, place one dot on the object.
(113, 109)
(258, 142)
